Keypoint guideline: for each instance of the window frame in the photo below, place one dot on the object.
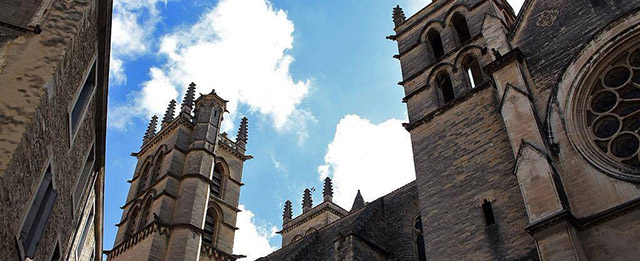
(48, 169)
(74, 131)
(76, 202)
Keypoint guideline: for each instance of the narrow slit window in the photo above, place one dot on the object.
(216, 181)
(436, 43)
(145, 214)
(422, 254)
(82, 100)
(209, 228)
(446, 88)
(474, 72)
(81, 185)
(487, 209)
(38, 215)
(462, 28)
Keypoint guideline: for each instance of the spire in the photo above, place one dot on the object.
(327, 192)
(358, 202)
(307, 201)
(187, 102)
(287, 215)
(151, 129)
(398, 16)
(168, 115)
(242, 137)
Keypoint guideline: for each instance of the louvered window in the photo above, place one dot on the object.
(216, 181)
(209, 228)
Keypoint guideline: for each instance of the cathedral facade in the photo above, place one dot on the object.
(525, 135)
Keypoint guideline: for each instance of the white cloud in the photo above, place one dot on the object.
(133, 24)
(245, 60)
(252, 240)
(375, 158)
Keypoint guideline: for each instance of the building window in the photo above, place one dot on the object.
(82, 100)
(487, 209)
(157, 166)
(131, 227)
(474, 72)
(446, 87)
(38, 215)
(216, 180)
(209, 227)
(83, 178)
(145, 213)
(459, 23)
(85, 233)
(422, 254)
(436, 43)
(605, 121)
(144, 176)
(296, 238)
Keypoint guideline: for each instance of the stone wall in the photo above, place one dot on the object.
(45, 72)
(462, 157)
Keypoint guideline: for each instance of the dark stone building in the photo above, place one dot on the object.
(525, 134)
(54, 67)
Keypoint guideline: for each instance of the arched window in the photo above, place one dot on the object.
(144, 176)
(144, 218)
(216, 180)
(462, 29)
(311, 230)
(487, 209)
(296, 238)
(446, 87)
(133, 218)
(209, 227)
(157, 166)
(422, 255)
(473, 71)
(436, 43)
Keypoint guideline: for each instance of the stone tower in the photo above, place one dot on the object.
(183, 199)
(462, 142)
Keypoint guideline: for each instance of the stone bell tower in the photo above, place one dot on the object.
(469, 199)
(183, 199)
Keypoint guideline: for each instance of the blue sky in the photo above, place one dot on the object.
(315, 78)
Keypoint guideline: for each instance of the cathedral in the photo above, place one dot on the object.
(525, 132)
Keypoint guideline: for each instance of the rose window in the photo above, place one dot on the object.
(612, 110)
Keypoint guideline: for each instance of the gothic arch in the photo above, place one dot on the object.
(213, 219)
(310, 230)
(146, 211)
(296, 238)
(441, 67)
(132, 218)
(158, 159)
(219, 176)
(433, 25)
(459, 8)
(476, 50)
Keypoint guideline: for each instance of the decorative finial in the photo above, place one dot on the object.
(327, 192)
(151, 129)
(288, 212)
(398, 16)
(307, 201)
(187, 102)
(243, 136)
(358, 202)
(168, 115)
